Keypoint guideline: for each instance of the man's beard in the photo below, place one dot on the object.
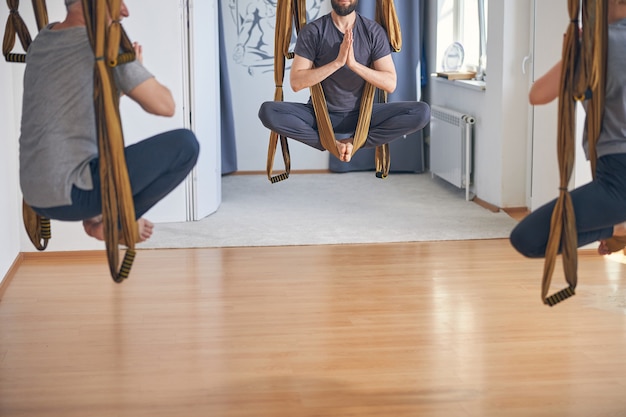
(344, 11)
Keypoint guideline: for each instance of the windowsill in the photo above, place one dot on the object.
(471, 84)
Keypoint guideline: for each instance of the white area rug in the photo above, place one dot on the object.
(314, 209)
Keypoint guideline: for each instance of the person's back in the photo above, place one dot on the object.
(59, 158)
(612, 137)
(58, 134)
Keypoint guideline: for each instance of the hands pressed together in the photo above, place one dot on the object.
(346, 50)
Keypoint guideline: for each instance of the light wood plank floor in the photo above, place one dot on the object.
(417, 329)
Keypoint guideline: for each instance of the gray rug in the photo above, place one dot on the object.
(314, 209)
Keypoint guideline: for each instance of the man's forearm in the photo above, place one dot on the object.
(380, 79)
(305, 78)
(154, 98)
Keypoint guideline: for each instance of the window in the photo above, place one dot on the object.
(463, 22)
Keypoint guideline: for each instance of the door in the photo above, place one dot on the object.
(549, 23)
(180, 47)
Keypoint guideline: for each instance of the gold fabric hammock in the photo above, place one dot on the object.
(583, 75)
(290, 14)
(107, 40)
(37, 227)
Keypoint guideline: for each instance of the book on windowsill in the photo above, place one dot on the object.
(457, 75)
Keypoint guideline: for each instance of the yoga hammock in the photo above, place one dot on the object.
(118, 212)
(292, 13)
(37, 227)
(582, 77)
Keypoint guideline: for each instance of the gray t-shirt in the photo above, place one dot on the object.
(612, 137)
(319, 41)
(58, 134)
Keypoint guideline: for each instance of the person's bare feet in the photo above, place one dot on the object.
(603, 248)
(94, 227)
(344, 146)
(145, 229)
(618, 230)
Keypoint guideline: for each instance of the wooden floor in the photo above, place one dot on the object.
(396, 330)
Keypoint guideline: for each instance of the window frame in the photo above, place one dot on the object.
(459, 23)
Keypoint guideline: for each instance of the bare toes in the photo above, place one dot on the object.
(145, 228)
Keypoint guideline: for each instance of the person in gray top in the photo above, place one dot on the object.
(600, 205)
(59, 164)
(343, 50)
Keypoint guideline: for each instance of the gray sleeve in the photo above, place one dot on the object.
(130, 75)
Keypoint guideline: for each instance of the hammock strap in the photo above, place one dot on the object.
(41, 13)
(587, 59)
(386, 15)
(388, 18)
(37, 227)
(118, 212)
(282, 37)
(15, 26)
(383, 156)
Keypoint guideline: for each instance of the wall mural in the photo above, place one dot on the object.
(255, 22)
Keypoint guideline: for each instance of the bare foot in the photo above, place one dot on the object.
(94, 227)
(619, 230)
(603, 248)
(145, 229)
(345, 147)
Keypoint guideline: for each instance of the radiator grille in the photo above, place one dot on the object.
(451, 143)
(446, 116)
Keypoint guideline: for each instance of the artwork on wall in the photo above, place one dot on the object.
(255, 22)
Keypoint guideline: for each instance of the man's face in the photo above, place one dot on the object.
(344, 7)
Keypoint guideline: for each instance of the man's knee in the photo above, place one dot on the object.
(421, 111)
(265, 114)
(189, 145)
(522, 242)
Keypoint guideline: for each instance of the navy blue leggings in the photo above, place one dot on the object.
(390, 121)
(598, 206)
(155, 167)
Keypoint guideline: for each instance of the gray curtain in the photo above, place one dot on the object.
(407, 155)
(229, 146)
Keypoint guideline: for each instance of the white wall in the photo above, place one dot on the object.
(550, 21)
(501, 110)
(179, 59)
(513, 99)
(10, 202)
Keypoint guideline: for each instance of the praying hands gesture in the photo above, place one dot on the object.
(346, 51)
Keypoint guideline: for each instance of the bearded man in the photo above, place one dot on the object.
(343, 50)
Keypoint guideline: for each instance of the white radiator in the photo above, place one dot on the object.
(451, 143)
